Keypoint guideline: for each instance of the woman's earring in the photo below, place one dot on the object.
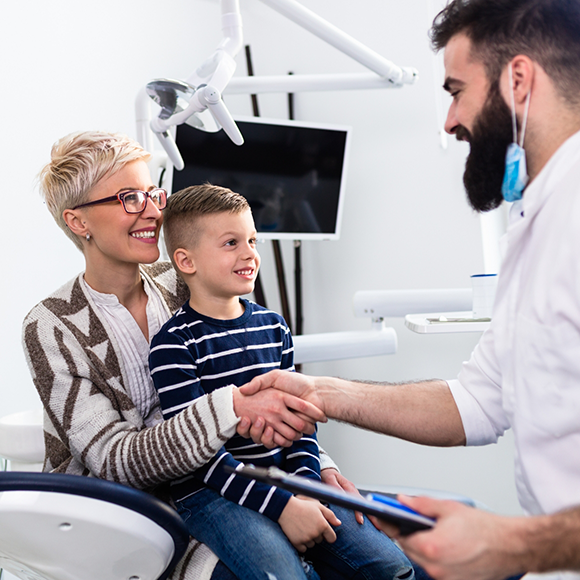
(88, 236)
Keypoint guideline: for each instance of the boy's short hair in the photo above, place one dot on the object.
(186, 206)
(78, 162)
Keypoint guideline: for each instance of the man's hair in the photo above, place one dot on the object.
(77, 163)
(547, 31)
(186, 206)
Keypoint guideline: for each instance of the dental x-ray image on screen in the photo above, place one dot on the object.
(291, 173)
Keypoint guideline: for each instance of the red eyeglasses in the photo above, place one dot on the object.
(134, 201)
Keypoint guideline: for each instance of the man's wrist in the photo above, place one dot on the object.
(551, 542)
(331, 391)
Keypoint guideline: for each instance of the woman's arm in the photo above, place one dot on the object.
(93, 426)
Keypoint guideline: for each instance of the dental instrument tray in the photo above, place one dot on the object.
(381, 506)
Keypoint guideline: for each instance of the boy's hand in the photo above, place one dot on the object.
(307, 522)
(331, 476)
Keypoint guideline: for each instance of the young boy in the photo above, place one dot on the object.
(217, 339)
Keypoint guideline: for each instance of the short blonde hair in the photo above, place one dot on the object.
(78, 162)
(186, 206)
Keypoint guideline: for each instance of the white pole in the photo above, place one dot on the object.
(313, 82)
(337, 38)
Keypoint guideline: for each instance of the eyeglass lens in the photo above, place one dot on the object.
(135, 201)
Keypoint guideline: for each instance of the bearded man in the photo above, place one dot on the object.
(513, 70)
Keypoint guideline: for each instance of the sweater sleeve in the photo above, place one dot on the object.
(91, 425)
(175, 376)
(302, 458)
(260, 497)
(287, 361)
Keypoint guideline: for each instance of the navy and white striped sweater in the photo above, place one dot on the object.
(193, 355)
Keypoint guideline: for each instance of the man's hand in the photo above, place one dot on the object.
(297, 384)
(465, 542)
(307, 522)
(332, 477)
(274, 417)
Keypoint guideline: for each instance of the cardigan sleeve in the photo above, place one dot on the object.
(91, 425)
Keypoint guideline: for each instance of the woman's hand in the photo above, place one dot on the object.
(332, 477)
(275, 418)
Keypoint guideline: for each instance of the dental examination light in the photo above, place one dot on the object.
(198, 102)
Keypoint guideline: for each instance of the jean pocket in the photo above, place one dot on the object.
(183, 511)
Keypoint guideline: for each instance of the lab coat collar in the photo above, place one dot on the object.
(540, 189)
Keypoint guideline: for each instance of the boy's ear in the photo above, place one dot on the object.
(184, 261)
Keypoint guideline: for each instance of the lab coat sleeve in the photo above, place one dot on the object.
(478, 394)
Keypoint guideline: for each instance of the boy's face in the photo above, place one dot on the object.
(225, 257)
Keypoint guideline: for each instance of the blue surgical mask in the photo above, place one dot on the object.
(515, 177)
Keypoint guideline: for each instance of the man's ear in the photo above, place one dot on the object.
(523, 72)
(74, 222)
(183, 260)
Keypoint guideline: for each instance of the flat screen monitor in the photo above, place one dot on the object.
(292, 173)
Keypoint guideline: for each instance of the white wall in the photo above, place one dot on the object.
(70, 65)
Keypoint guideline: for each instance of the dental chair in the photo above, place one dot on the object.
(68, 527)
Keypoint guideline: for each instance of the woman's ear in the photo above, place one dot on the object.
(183, 260)
(74, 222)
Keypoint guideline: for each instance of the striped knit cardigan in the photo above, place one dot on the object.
(92, 427)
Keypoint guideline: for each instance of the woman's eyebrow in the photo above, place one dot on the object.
(150, 188)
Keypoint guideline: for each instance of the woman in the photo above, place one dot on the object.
(87, 344)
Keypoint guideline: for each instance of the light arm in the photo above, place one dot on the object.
(217, 71)
(339, 39)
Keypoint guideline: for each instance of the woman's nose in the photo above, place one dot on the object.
(151, 210)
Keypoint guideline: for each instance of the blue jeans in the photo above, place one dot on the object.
(253, 547)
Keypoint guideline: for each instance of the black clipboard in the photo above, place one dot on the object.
(384, 507)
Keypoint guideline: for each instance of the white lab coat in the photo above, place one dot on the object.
(525, 371)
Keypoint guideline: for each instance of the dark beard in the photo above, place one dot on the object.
(485, 165)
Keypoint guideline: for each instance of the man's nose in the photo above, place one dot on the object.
(451, 122)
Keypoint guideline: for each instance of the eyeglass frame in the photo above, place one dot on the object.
(121, 198)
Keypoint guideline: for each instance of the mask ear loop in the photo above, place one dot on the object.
(525, 122)
(513, 104)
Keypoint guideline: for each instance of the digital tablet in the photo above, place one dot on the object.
(384, 507)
